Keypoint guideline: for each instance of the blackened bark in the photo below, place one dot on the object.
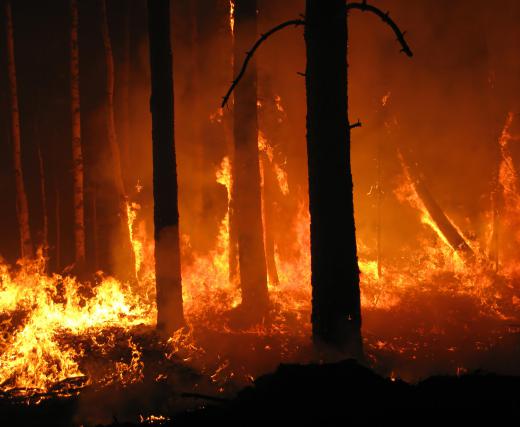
(246, 169)
(336, 307)
(166, 214)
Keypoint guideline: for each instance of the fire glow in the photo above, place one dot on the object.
(39, 310)
(63, 333)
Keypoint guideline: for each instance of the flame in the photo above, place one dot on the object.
(32, 359)
(137, 245)
(43, 316)
(232, 16)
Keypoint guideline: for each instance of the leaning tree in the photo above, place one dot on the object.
(166, 213)
(336, 306)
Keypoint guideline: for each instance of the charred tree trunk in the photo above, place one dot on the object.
(124, 257)
(22, 209)
(166, 214)
(336, 307)
(77, 153)
(246, 179)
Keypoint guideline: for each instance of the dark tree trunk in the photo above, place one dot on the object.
(336, 307)
(246, 170)
(22, 209)
(77, 152)
(166, 214)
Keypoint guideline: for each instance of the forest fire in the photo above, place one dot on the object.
(161, 252)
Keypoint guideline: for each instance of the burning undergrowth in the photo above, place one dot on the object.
(433, 309)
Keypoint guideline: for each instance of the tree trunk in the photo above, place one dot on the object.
(43, 198)
(22, 209)
(268, 208)
(124, 257)
(58, 226)
(125, 97)
(77, 154)
(336, 307)
(246, 169)
(166, 214)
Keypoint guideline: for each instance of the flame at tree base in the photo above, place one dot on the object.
(428, 311)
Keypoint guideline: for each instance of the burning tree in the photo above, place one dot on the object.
(336, 306)
(166, 214)
(246, 170)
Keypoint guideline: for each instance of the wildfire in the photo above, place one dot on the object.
(47, 309)
(43, 316)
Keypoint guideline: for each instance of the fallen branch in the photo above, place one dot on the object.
(249, 55)
(385, 17)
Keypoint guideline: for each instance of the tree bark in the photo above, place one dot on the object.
(268, 208)
(43, 198)
(166, 214)
(336, 307)
(77, 153)
(246, 169)
(58, 226)
(22, 209)
(125, 97)
(123, 249)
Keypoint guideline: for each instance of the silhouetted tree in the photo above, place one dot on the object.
(336, 308)
(246, 170)
(166, 215)
(22, 209)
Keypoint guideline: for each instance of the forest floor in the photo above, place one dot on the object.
(342, 393)
(228, 383)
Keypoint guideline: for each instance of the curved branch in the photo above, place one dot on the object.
(249, 55)
(385, 17)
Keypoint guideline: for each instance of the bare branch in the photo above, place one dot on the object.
(249, 55)
(385, 17)
(363, 6)
(355, 125)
